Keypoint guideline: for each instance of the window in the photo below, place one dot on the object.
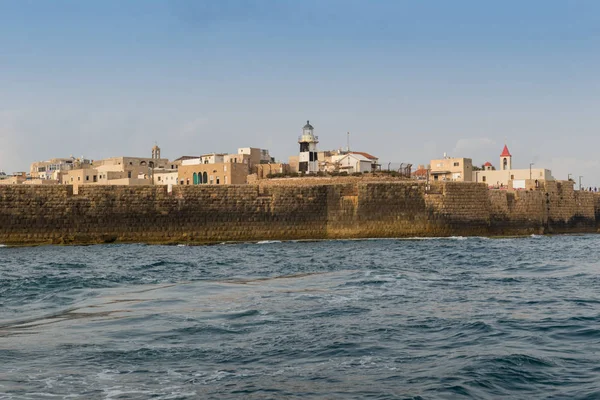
(512, 177)
(129, 174)
(483, 179)
(87, 177)
(158, 178)
(95, 178)
(78, 178)
(456, 164)
(217, 180)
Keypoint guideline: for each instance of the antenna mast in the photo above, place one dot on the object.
(348, 148)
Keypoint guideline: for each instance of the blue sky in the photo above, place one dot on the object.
(409, 79)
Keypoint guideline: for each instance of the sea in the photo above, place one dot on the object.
(441, 318)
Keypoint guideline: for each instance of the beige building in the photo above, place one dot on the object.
(507, 177)
(451, 169)
(294, 163)
(105, 176)
(213, 174)
(239, 159)
(125, 163)
(52, 168)
(256, 156)
(119, 171)
(263, 171)
(166, 177)
(16, 178)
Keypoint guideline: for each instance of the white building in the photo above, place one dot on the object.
(506, 176)
(352, 162)
(165, 177)
(308, 161)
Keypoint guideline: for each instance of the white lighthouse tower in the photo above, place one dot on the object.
(307, 162)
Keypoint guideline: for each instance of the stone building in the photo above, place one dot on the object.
(451, 169)
(118, 171)
(223, 173)
(165, 177)
(507, 177)
(256, 156)
(52, 168)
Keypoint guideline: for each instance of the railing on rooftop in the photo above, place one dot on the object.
(301, 138)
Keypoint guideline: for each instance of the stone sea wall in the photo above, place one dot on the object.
(206, 214)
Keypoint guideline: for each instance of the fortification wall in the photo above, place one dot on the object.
(203, 214)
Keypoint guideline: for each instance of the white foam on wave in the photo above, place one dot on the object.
(268, 241)
(182, 245)
(3, 245)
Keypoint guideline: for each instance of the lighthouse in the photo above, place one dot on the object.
(307, 161)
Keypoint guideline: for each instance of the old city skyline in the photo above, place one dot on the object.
(410, 81)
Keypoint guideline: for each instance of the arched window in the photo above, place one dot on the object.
(195, 178)
(504, 163)
(200, 178)
(143, 163)
(205, 177)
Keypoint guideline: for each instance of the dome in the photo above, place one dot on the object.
(308, 126)
(487, 164)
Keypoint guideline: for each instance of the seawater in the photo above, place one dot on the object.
(419, 319)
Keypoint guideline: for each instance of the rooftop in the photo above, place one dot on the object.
(367, 155)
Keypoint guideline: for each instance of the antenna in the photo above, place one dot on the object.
(348, 142)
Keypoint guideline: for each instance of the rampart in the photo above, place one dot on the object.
(32, 214)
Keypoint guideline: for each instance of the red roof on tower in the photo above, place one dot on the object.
(505, 152)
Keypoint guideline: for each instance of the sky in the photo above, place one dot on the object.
(410, 80)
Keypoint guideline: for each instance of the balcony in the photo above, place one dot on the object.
(308, 138)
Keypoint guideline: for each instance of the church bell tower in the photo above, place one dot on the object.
(505, 159)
